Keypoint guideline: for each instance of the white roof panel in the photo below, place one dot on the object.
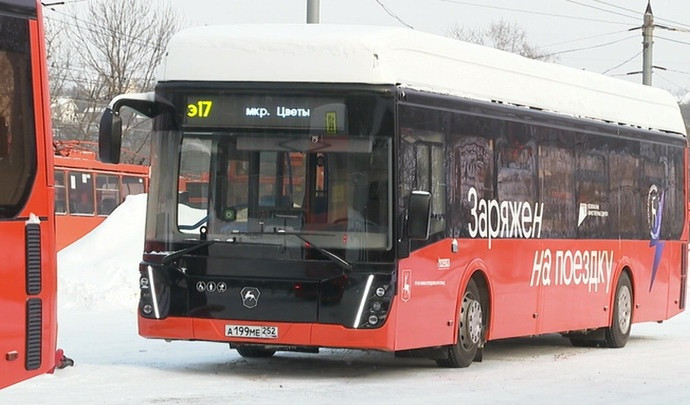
(320, 53)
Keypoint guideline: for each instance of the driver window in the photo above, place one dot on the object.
(195, 163)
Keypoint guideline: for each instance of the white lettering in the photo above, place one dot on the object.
(507, 219)
(589, 268)
(515, 230)
(527, 220)
(541, 270)
(256, 112)
(504, 218)
(495, 224)
(577, 267)
(472, 227)
(286, 112)
(536, 219)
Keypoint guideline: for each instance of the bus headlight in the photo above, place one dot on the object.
(374, 305)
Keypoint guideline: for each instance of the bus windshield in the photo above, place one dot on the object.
(253, 182)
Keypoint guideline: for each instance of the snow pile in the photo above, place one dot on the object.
(101, 270)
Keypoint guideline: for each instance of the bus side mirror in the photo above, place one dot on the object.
(110, 137)
(419, 215)
(110, 129)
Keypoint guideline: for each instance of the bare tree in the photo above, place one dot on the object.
(59, 59)
(502, 35)
(116, 48)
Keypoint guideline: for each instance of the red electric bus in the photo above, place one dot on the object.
(449, 194)
(87, 190)
(27, 230)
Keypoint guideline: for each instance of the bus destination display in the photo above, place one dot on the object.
(245, 111)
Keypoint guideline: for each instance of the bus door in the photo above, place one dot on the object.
(27, 296)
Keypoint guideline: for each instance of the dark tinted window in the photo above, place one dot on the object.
(17, 135)
(80, 193)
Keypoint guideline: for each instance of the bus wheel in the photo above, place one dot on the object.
(255, 352)
(617, 334)
(470, 331)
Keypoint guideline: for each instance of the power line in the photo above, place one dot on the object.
(622, 63)
(678, 71)
(669, 81)
(672, 40)
(98, 29)
(633, 11)
(572, 17)
(584, 38)
(602, 9)
(590, 47)
(392, 14)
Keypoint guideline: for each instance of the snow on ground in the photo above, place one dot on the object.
(97, 328)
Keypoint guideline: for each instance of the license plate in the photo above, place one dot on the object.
(255, 332)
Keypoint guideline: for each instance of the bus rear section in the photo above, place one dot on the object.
(27, 298)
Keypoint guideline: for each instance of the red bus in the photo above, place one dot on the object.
(87, 190)
(28, 329)
(450, 195)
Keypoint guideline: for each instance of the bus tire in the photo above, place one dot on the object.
(470, 331)
(255, 352)
(617, 334)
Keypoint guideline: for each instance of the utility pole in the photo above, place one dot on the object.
(313, 11)
(647, 43)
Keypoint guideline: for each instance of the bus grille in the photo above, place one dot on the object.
(34, 327)
(33, 259)
(683, 276)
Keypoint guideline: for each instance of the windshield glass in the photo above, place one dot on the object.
(333, 188)
(322, 171)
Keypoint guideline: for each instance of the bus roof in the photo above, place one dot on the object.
(319, 53)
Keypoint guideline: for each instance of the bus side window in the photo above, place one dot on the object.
(60, 193)
(107, 191)
(592, 188)
(557, 185)
(81, 193)
(423, 162)
(131, 185)
(516, 164)
(471, 167)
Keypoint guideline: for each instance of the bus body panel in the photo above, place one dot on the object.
(29, 326)
(291, 334)
(531, 294)
(72, 164)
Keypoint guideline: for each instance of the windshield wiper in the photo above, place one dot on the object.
(330, 255)
(178, 253)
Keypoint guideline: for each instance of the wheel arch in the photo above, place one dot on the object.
(624, 268)
(477, 271)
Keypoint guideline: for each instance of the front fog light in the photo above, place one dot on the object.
(373, 319)
(147, 309)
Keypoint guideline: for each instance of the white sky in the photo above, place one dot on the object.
(595, 32)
